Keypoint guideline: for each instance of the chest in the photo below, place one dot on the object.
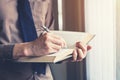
(9, 14)
(39, 10)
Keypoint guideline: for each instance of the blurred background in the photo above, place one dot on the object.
(100, 17)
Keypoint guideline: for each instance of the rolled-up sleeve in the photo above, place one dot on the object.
(6, 51)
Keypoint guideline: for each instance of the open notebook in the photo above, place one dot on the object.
(71, 38)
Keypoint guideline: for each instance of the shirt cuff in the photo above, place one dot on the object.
(6, 52)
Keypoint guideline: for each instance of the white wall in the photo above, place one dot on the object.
(100, 19)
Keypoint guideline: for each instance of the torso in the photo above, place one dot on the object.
(9, 33)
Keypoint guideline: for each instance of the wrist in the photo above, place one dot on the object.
(22, 50)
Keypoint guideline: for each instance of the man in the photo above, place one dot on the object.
(14, 43)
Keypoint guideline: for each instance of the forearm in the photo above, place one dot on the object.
(46, 44)
(14, 51)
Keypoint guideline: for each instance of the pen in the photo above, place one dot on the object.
(45, 28)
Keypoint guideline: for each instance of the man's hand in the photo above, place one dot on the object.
(45, 44)
(80, 52)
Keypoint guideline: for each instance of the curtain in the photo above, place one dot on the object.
(118, 41)
(73, 20)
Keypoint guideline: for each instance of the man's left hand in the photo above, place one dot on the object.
(80, 51)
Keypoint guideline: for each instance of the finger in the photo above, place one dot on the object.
(64, 44)
(49, 39)
(55, 36)
(60, 39)
(55, 47)
(44, 33)
(52, 48)
(55, 39)
(81, 46)
(80, 55)
(74, 55)
(59, 42)
(89, 47)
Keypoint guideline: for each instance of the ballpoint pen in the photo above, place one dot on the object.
(45, 28)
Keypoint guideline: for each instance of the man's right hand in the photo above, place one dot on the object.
(45, 44)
